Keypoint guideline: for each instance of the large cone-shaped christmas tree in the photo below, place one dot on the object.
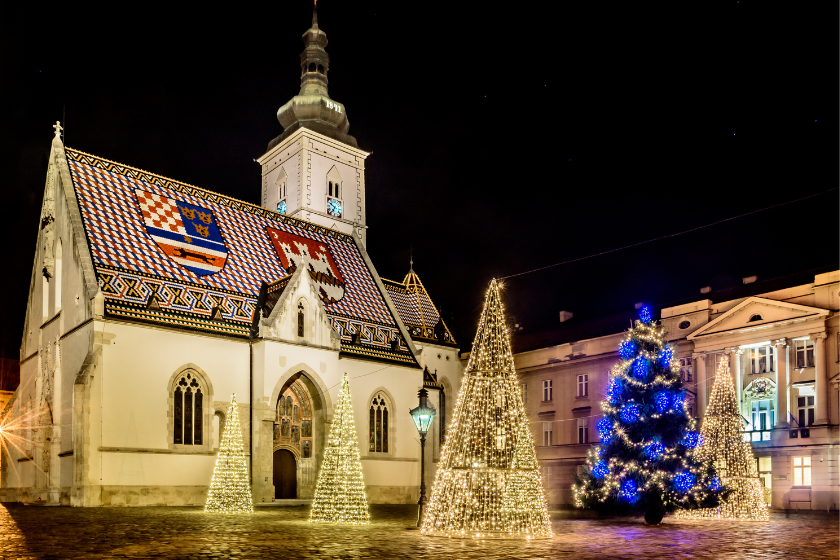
(230, 491)
(488, 482)
(732, 456)
(340, 492)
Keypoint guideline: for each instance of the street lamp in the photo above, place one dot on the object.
(422, 416)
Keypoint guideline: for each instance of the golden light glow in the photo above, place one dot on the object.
(732, 456)
(340, 491)
(488, 482)
(230, 491)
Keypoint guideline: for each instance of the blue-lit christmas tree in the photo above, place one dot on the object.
(646, 460)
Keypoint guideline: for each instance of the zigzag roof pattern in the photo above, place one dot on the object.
(171, 253)
(417, 311)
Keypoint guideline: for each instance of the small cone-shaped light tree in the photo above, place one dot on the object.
(488, 482)
(340, 491)
(230, 491)
(647, 459)
(731, 455)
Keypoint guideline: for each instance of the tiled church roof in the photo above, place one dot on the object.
(417, 311)
(170, 253)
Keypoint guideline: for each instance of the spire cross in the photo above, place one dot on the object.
(58, 129)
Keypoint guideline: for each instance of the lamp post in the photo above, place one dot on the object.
(422, 416)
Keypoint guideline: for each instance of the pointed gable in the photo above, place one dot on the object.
(170, 253)
(417, 311)
(755, 313)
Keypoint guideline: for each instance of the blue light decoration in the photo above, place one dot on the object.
(628, 491)
(715, 484)
(604, 427)
(679, 402)
(684, 481)
(665, 356)
(281, 208)
(627, 349)
(654, 449)
(692, 440)
(640, 368)
(645, 315)
(600, 470)
(662, 399)
(631, 413)
(614, 391)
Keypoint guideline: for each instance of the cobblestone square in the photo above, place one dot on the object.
(280, 532)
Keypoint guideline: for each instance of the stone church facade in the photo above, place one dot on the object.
(153, 301)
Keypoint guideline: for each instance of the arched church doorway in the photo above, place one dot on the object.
(285, 475)
(298, 429)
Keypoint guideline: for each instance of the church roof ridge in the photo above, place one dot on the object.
(202, 189)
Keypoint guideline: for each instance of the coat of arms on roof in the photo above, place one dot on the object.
(186, 233)
(294, 251)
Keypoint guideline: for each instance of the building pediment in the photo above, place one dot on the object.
(756, 313)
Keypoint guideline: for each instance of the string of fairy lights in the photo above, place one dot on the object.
(488, 482)
(648, 452)
(230, 490)
(732, 456)
(340, 490)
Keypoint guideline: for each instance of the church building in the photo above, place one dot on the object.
(152, 302)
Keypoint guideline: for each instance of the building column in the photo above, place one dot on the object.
(735, 367)
(782, 390)
(821, 379)
(702, 389)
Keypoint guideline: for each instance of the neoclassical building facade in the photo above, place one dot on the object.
(782, 347)
(152, 302)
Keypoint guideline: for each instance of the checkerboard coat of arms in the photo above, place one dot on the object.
(186, 233)
(293, 250)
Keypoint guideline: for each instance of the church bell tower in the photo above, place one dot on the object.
(315, 170)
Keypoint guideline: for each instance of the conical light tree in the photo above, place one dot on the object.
(731, 455)
(488, 482)
(340, 491)
(230, 491)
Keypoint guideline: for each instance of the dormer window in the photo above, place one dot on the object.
(754, 317)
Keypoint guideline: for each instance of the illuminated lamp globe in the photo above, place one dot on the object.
(423, 414)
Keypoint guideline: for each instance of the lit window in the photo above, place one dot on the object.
(546, 433)
(804, 353)
(806, 411)
(762, 415)
(761, 359)
(548, 391)
(802, 471)
(685, 370)
(583, 385)
(583, 430)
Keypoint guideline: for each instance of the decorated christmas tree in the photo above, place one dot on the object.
(230, 491)
(647, 458)
(732, 456)
(488, 482)
(340, 491)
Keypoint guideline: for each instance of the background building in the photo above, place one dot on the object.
(781, 339)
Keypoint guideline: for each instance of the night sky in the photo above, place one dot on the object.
(503, 139)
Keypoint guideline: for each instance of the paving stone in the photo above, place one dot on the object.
(187, 532)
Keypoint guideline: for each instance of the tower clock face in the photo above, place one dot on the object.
(281, 207)
(334, 207)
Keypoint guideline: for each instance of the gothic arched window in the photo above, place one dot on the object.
(378, 425)
(188, 396)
